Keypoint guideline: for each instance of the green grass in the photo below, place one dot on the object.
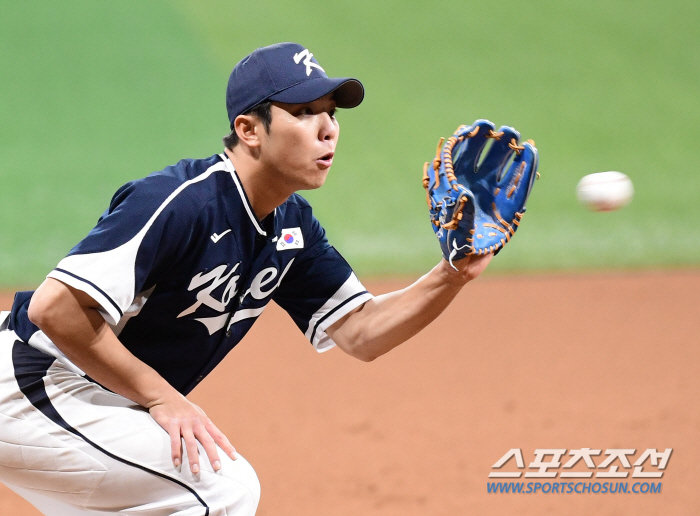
(93, 94)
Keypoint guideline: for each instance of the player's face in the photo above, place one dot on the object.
(301, 143)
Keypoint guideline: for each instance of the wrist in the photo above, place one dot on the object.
(448, 275)
(170, 396)
(464, 270)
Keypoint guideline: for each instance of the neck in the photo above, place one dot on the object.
(262, 190)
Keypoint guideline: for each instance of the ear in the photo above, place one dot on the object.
(248, 129)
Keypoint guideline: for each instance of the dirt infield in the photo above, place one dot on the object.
(605, 361)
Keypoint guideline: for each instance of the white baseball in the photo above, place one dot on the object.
(604, 191)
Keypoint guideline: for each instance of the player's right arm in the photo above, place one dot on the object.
(150, 225)
(72, 320)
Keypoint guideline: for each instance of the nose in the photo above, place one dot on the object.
(328, 127)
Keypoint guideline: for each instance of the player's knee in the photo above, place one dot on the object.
(242, 493)
(251, 482)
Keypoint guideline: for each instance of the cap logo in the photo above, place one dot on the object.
(306, 55)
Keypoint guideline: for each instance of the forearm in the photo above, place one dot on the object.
(72, 322)
(390, 319)
(70, 318)
(105, 359)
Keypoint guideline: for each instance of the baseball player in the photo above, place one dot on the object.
(96, 363)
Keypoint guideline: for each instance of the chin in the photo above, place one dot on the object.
(316, 181)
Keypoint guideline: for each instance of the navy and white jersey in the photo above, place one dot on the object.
(181, 268)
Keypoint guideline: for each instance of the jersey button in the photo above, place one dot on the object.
(228, 334)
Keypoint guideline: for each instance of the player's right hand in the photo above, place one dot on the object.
(185, 421)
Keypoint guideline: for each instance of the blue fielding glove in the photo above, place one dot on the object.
(477, 193)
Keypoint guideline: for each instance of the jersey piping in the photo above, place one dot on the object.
(113, 309)
(244, 197)
(345, 299)
(98, 289)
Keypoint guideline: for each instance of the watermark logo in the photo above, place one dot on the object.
(547, 462)
(613, 465)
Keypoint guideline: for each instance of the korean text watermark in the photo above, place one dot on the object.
(612, 465)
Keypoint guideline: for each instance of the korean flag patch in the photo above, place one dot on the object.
(290, 238)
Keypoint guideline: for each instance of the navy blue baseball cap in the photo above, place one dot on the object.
(285, 72)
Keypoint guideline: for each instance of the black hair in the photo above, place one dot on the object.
(263, 111)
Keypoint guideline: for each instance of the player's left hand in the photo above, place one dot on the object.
(477, 186)
(466, 269)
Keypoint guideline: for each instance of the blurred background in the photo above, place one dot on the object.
(94, 94)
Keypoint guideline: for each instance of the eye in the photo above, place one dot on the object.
(332, 113)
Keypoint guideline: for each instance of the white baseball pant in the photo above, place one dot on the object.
(73, 448)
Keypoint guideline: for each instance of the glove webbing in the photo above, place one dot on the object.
(506, 228)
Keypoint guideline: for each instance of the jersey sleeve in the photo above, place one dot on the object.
(319, 289)
(147, 227)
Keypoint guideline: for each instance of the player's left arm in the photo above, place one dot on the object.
(385, 321)
(466, 173)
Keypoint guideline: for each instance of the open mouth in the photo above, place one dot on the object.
(326, 159)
